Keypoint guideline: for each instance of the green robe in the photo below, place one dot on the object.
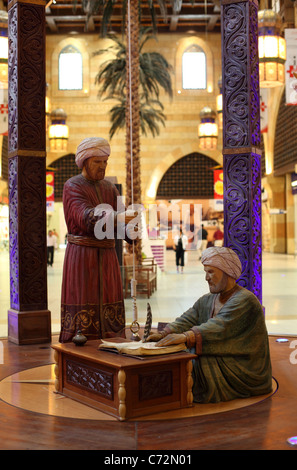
(233, 350)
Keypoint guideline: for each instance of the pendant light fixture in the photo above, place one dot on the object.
(208, 129)
(219, 101)
(272, 50)
(58, 131)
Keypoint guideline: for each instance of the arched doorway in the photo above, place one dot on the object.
(190, 177)
(64, 168)
(189, 184)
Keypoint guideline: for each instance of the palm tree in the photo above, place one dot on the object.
(131, 14)
(154, 72)
(144, 112)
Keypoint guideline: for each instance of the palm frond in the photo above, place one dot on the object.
(154, 69)
(107, 12)
(151, 116)
(118, 118)
(154, 73)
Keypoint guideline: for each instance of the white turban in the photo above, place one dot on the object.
(91, 147)
(223, 258)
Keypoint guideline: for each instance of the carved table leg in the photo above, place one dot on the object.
(189, 383)
(56, 370)
(122, 395)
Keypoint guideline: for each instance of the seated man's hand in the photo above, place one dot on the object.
(174, 338)
(154, 337)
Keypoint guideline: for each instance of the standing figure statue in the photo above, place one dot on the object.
(92, 293)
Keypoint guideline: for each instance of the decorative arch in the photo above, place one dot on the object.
(268, 145)
(285, 142)
(190, 177)
(168, 161)
(64, 168)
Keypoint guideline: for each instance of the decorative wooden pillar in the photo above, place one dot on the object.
(28, 317)
(241, 138)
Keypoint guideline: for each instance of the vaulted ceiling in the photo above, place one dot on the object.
(62, 17)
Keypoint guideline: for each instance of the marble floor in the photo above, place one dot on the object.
(177, 292)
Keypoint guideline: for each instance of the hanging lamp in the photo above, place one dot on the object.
(58, 131)
(272, 50)
(47, 107)
(219, 102)
(208, 129)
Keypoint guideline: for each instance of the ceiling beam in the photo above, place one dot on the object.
(212, 22)
(51, 22)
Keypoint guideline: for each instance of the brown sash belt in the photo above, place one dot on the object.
(91, 242)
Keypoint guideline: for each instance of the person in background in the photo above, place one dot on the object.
(180, 245)
(55, 234)
(218, 237)
(51, 240)
(202, 240)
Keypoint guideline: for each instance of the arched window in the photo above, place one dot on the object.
(70, 69)
(194, 69)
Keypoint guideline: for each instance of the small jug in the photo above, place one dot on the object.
(79, 339)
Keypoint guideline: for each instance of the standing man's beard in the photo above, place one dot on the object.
(94, 174)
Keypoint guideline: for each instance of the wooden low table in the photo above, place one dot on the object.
(122, 386)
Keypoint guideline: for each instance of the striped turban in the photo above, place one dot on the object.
(91, 147)
(224, 259)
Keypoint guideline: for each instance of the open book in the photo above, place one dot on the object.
(135, 348)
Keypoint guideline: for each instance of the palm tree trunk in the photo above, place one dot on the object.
(133, 173)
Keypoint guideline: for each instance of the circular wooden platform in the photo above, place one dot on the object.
(33, 390)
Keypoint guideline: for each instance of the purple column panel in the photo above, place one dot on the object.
(241, 139)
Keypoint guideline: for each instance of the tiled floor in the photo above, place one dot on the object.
(177, 292)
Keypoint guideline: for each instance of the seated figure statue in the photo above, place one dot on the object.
(227, 331)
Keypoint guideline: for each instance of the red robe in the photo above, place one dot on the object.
(92, 293)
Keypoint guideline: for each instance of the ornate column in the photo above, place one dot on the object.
(28, 316)
(241, 138)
